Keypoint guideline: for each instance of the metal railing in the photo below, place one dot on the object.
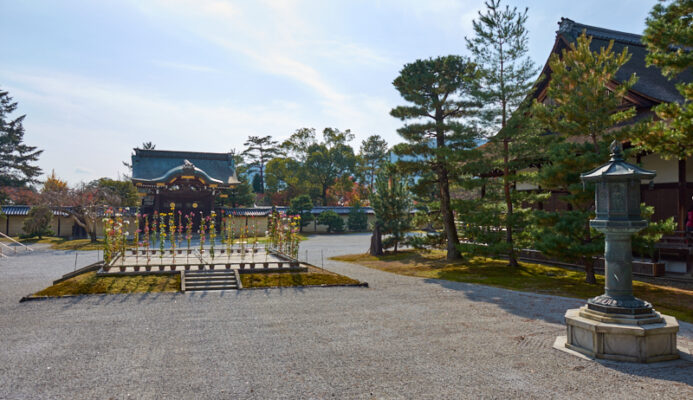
(14, 248)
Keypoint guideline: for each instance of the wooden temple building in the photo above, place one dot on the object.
(671, 192)
(181, 180)
(674, 181)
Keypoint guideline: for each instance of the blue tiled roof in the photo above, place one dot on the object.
(155, 165)
(15, 210)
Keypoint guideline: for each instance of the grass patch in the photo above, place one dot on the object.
(313, 276)
(90, 283)
(527, 277)
(59, 243)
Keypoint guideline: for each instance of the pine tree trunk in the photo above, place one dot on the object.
(588, 262)
(448, 218)
(512, 260)
(682, 195)
(376, 242)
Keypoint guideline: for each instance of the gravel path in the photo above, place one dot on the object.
(403, 337)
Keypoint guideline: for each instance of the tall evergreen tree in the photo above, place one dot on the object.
(372, 154)
(17, 159)
(302, 205)
(580, 109)
(500, 49)
(392, 204)
(259, 150)
(668, 36)
(439, 91)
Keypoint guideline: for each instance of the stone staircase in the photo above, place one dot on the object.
(210, 280)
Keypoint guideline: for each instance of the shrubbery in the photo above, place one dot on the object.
(333, 221)
(38, 222)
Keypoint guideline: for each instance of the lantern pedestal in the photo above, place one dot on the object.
(616, 325)
(622, 337)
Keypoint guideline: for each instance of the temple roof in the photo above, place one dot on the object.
(651, 83)
(154, 166)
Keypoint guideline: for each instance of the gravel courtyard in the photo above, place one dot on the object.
(402, 337)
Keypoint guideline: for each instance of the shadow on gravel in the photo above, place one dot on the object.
(526, 305)
(546, 308)
(673, 371)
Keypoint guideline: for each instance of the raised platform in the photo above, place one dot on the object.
(169, 261)
(622, 337)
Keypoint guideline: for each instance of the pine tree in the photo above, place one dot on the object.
(500, 49)
(580, 109)
(668, 37)
(372, 155)
(259, 150)
(16, 158)
(302, 205)
(392, 204)
(439, 92)
(357, 220)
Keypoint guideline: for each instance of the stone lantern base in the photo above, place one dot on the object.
(641, 338)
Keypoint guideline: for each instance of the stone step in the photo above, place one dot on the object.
(206, 288)
(210, 280)
(208, 273)
(210, 277)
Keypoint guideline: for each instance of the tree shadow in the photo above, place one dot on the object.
(523, 304)
(552, 309)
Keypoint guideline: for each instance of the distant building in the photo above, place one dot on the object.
(181, 180)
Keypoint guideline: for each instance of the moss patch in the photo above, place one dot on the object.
(90, 283)
(312, 277)
(527, 277)
(59, 243)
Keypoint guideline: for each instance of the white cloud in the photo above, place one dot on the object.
(184, 66)
(81, 121)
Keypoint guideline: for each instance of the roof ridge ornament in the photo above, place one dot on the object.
(616, 151)
(565, 25)
(188, 166)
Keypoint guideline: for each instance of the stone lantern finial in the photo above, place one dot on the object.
(616, 151)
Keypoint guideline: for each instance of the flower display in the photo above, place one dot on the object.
(212, 232)
(146, 236)
(203, 224)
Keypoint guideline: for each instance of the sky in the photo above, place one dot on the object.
(98, 78)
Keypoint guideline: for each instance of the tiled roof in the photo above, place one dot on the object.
(651, 82)
(24, 211)
(160, 165)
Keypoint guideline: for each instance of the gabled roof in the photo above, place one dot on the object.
(651, 84)
(153, 166)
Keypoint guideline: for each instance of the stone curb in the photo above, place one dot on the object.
(69, 296)
(362, 284)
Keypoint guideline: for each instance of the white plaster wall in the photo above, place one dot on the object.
(667, 170)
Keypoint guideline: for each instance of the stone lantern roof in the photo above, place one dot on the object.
(617, 169)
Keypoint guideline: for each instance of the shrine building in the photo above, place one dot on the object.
(183, 180)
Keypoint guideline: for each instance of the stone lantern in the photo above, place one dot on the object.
(616, 325)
